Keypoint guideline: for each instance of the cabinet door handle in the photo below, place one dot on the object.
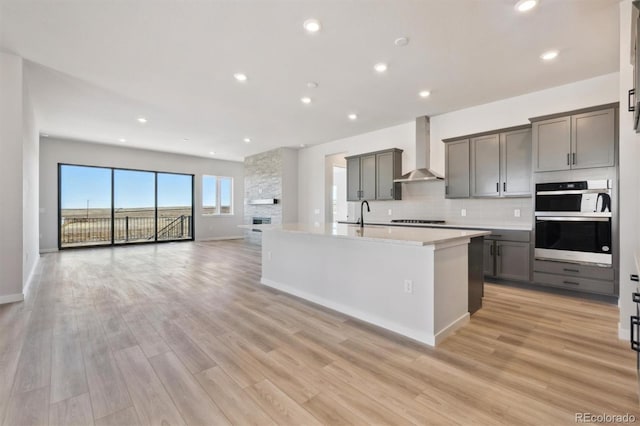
(574, 158)
(504, 186)
(497, 186)
(391, 192)
(635, 345)
(571, 282)
(498, 251)
(446, 189)
(632, 92)
(571, 270)
(491, 249)
(568, 159)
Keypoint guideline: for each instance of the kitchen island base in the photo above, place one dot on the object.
(419, 291)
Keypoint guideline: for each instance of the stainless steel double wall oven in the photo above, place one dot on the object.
(573, 221)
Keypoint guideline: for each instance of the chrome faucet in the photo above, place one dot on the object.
(362, 212)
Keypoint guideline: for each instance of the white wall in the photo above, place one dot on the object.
(30, 190)
(312, 165)
(426, 200)
(54, 151)
(517, 110)
(629, 179)
(11, 220)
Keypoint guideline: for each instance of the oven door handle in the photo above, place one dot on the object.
(635, 345)
(572, 218)
(575, 191)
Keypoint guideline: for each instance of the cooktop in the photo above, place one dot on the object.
(431, 221)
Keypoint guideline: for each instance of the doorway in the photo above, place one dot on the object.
(336, 188)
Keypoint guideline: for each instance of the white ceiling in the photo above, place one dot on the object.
(95, 66)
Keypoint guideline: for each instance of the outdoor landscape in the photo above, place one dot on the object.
(82, 227)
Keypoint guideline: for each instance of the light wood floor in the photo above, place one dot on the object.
(184, 334)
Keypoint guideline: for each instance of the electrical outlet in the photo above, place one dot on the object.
(268, 255)
(389, 212)
(316, 211)
(463, 212)
(408, 286)
(259, 190)
(516, 212)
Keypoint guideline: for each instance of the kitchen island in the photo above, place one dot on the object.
(413, 281)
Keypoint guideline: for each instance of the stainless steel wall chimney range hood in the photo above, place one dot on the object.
(423, 171)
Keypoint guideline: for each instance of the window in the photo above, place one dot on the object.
(217, 195)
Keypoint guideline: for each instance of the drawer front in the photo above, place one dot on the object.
(574, 270)
(508, 235)
(574, 283)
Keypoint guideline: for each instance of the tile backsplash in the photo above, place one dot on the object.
(425, 200)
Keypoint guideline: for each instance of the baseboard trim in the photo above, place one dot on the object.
(51, 250)
(29, 282)
(451, 328)
(232, 237)
(623, 333)
(418, 335)
(11, 298)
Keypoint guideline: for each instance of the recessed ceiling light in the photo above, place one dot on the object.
(123, 140)
(424, 93)
(185, 140)
(302, 145)
(312, 25)
(247, 140)
(45, 135)
(525, 5)
(142, 120)
(549, 55)
(305, 100)
(380, 67)
(240, 77)
(352, 116)
(212, 153)
(401, 41)
(312, 85)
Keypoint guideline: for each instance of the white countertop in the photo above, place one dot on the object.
(380, 233)
(452, 225)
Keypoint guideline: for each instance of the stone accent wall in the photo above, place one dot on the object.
(263, 179)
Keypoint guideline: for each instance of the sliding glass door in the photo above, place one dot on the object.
(85, 206)
(175, 203)
(134, 213)
(103, 206)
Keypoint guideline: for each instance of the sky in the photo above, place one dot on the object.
(133, 189)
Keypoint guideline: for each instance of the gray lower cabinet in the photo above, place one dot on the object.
(577, 141)
(457, 169)
(507, 255)
(575, 277)
(371, 176)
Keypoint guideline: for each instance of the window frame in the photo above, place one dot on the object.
(218, 198)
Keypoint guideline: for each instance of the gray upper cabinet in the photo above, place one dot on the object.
(501, 164)
(389, 167)
(353, 179)
(515, 163)
(371, 176)
(592, 139)
(457, 169)
(578, 141)
(552, 144)
(485, 166)
(368, 177)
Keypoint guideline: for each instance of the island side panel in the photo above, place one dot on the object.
(451, 289)
(363, 279)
